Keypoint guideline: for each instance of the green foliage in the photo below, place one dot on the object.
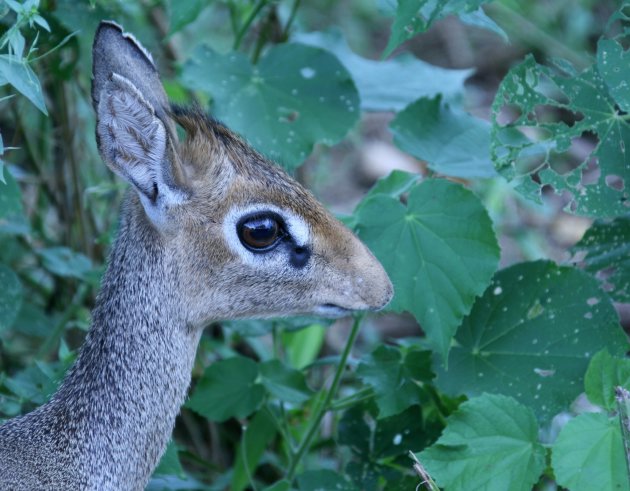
(440, 258)
(491, 443)
(282, 404)
(590, 450)
(507, 344)
(300, 94)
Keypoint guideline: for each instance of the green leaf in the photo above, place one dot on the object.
(23, 79)
(323, 479)
(445, 253)
(480, 19)
(394, 185)
(589, 454)
(183, 12)
(279, 486)
(11, 295)
(531, 336)
(285, 383)
(393, 84)
(534, 144)
(169, 463)
(302, 347)
(612, 64)
(490, 443)
(386, 372)
(228, 389)
(12, 219)
(294, 97)
(416, 16)
(256, 437)
(603, 375)
(606, 255)
(450, 141)
(65, 262)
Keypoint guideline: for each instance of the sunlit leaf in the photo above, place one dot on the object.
(20, 75)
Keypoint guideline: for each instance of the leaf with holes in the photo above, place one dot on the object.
(531, 336)
(227, 389)
(294, 97)
(11, 296)
(439, 250)
(533, 148)
(604, 251)
(416, 16)
(490, 443)
(604, 373)
(449, 140)
(589, 453)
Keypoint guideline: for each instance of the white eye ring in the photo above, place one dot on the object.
(296, 227)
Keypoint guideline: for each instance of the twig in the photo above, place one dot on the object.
(422, 472)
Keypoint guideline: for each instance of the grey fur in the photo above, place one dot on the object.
(174, 267)
(118, 403)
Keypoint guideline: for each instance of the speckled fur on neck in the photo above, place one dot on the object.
(119, 401)
(176, 265)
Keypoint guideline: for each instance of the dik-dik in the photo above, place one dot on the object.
(209, 230)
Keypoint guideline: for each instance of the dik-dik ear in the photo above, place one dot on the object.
(136, 137)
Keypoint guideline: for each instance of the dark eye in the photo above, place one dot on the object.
(260, 232)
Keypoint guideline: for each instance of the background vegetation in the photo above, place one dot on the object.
(502, 214)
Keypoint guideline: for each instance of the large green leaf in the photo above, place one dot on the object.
(12, 219)
(227, 389)
(531, 336)
(449, 140)
(294, 97)
(589, 454)
(390, 85)
(605, 248)
(287, 384)
(183, 12)
(440, 252)
(604, 373)
(23, 79)
(11, 295)
(394, 378)
(415, 16)
(535, 142)
(65, 262)
(490, 443)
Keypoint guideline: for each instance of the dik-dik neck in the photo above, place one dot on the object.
(133, 371)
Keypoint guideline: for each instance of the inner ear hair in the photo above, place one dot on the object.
(134, 141)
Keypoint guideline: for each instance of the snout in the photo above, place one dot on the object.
(372, 285)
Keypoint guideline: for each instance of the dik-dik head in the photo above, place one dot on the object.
(247, 239)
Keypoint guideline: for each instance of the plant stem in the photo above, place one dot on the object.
(248, 22)
(294, 9)
(361, 395)
(323, 408)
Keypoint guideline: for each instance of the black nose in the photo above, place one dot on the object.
(299, 256)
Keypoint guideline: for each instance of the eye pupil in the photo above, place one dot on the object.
(259, 233)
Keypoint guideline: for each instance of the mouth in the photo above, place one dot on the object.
(331, 310)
